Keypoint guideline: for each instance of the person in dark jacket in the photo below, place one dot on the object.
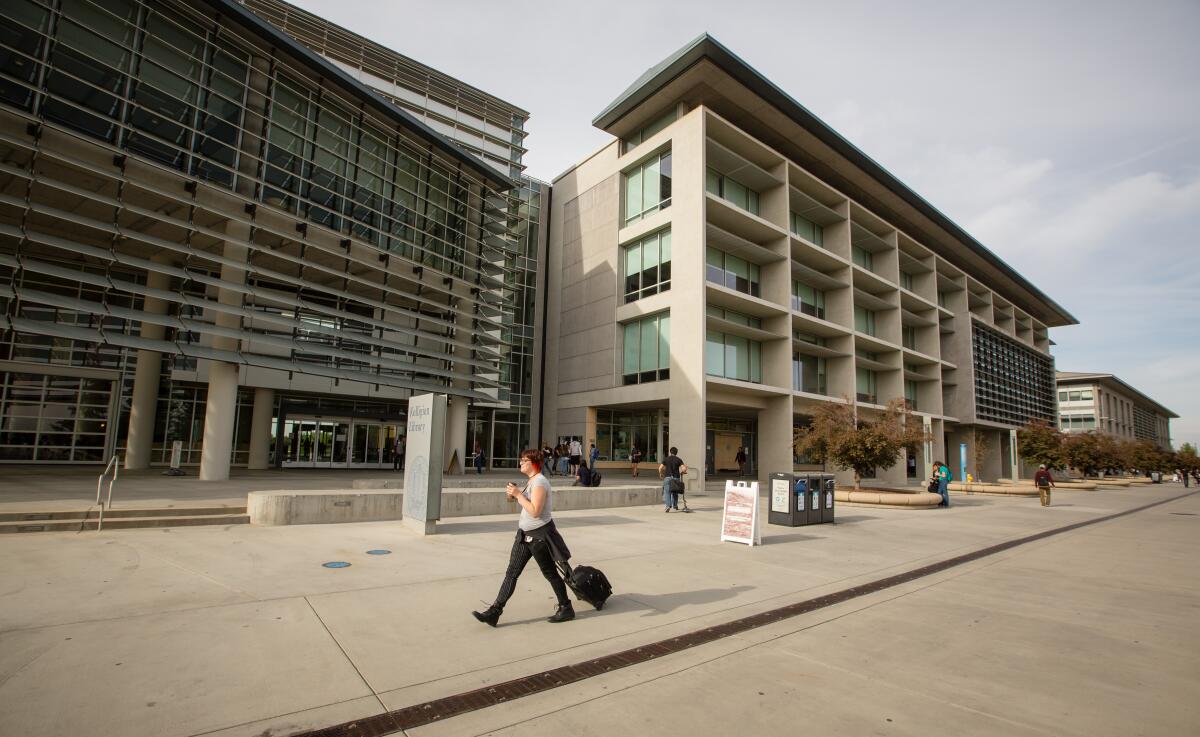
(583, 477)
(537, 538)
(1043, 481)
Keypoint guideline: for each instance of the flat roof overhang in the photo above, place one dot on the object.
(704, 72)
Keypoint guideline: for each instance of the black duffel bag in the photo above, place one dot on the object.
(589, 584)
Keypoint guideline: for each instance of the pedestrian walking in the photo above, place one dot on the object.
(672, 469)
(635, 457)
(740, 459)
(593, 455)
(537, 538)
(398, 453)
(1043, 481)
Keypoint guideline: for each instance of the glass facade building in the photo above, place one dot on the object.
(196, 209)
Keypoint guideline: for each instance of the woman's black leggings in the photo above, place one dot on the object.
(520, 555)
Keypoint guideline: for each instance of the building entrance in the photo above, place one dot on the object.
(335, 442)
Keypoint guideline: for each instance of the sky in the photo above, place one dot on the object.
(1064, 136)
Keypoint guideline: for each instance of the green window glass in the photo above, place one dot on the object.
(863, 258)
(648, 130)
(909, 337)
(648, 187)
(648, 266)
(808, 300)
(865, 386)
(732, 357)
(910, 394)
(807, 229)
(731, 271)
(808, 374)
(731, 190)
(906, 280)
(864, 320)
(647, 350)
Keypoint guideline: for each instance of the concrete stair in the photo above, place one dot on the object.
(120, 519)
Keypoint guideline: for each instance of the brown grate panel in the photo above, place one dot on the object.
(480, 698)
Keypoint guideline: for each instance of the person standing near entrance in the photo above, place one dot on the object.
(576, 453)
(635, 457)
(398, 454)
(740, 459)
(942, 474)
(672, 469)
(479, 459)
(1043, 481)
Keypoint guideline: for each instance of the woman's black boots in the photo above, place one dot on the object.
(564, 613)
(491, 615)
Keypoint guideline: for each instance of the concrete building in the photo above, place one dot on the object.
(211, 234)
(728, 262)
(1089, 402)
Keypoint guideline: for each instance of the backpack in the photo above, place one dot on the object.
(595, 479)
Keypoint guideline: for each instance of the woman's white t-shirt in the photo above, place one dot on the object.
(528, 521)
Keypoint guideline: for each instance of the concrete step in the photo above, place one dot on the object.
(122, 523)
(79, 514)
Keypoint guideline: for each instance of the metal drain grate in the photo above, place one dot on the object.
(481, 698)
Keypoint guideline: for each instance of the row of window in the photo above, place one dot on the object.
(1077, 422)
(1075, 396)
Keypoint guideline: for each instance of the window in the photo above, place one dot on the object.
(906, 280)
(619, 432)
(648, 187)
(648, 266)
(731, 191)
(731, 271)
(1086, 394)
(808, 338)
(908, 335)
(941, 299)
(863, 258)
(733, 357)
(864, 320)
(1062, 396)
(865, 386)
(808, 374)
(647, 131)
(910, 394)
(731, 316)
(647, 354)
(808, 300)
(807, 229)
(1073, 396)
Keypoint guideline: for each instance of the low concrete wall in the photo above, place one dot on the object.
(884, 498)
(311, 507)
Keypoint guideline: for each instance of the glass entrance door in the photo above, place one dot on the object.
(337, 443)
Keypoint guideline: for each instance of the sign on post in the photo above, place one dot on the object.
(739, 519)
(423, 463)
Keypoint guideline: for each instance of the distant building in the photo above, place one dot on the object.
(1104, 403)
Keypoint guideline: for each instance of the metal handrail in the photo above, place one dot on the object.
(115, 465)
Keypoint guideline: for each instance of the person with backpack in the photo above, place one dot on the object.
(593, 455)
(943, 475)
(583, 476)
(537, 538)
(1043, 481)
(672, 469)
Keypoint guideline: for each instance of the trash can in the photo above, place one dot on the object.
(813, 481)
(827, 487)
(784, 509)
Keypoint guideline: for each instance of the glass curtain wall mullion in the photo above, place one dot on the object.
(732, 272)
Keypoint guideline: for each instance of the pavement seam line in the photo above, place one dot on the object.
(345, 654)
(441, 709)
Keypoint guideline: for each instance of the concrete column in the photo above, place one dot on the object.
(456, 436)
(774, 438)
(260, 429)
(219, 416)
(146, 378)
(221, 412)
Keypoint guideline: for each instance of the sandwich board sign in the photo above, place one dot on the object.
(739, 517)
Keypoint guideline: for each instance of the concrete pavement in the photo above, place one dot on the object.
(241, 631)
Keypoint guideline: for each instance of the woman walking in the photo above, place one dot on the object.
(537, 538)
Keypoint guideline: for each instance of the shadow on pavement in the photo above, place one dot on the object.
(509, 524)
(656, 604)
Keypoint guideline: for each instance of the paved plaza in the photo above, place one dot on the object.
(239, 630)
